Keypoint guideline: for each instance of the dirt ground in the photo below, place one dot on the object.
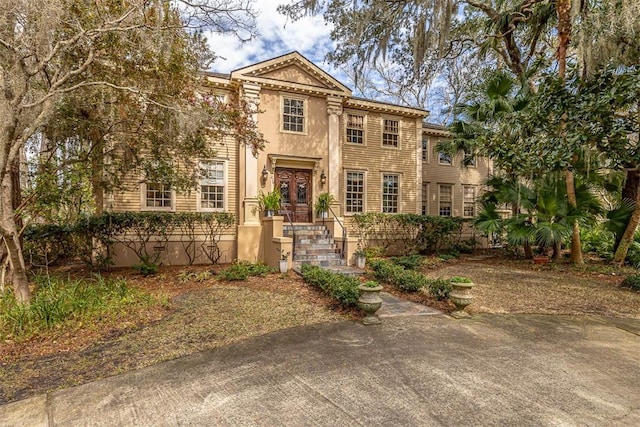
(206, 314)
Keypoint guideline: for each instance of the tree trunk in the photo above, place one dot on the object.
(12, 242)
(576, 244)
(629, 233)
(563, 10)
(630, 193)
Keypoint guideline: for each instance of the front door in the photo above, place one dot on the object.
(295, 188)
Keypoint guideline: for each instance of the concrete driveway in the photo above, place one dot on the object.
(491, 370)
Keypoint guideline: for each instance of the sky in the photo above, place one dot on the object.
(278, 35)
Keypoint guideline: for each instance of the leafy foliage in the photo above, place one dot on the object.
(58, 301)
(146, 233)
(242, 270)
(632, 282)
(342, 288)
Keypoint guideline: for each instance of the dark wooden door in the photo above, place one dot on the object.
(295, 189)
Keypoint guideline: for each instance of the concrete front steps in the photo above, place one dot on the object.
(314, 245)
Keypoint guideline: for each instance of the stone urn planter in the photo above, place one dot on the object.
(370, 302)
(361, 261)
(283, 264)
(461, 296)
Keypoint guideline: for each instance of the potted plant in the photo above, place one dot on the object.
(541, 256)
(370, 301)
(283, 264)
(269, 203)
(460, 295)
(361, 257)
(323, 203)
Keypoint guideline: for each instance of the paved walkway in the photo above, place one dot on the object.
(424, 370)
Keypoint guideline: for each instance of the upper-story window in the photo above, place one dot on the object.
(212, 185)
(390, 193)
(293, 114)
(425, 150)
(157, 196)
(390, 133)
(469, 157)
(444, 158)
(354, 194)
(355, 128)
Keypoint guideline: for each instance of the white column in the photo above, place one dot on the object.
(334, 158)
(251, 94)
(418, 182)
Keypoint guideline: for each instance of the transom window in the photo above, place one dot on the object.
(212, 185)
(390, 192)
(444, 158)
(445, 199)
(390, 133)
(354, 186)
(293, 115)
(469, 200)
(158, 196)
(355, 129)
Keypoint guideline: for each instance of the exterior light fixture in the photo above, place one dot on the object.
(323, 178)
(264, 175)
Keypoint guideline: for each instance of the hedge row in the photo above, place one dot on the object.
(91, 238)
(341, 287)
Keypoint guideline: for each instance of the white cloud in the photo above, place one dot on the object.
(278, 35)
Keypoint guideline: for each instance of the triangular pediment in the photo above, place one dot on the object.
(291, 69)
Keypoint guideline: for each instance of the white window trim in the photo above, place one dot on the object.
(143, 201)
(305, 121)
(425, 198)
(399, 120)
(425, 150)
(364, 190)
(364, 128)
(464, 200)
(440, 184)
(399, 175)
(225, 196)
(440, 162)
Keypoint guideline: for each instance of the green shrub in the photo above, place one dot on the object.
(410, 281)
(58, 301)
(409, 262)
(440, 288)
(632, 282)
(146, 269)
(342, 288)
(242, 270)
(407, 280)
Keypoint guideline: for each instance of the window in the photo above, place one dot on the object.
(293, 115)
(157, 196)
(425, 150)
(469, 200)
(390, 133)
(444, 158)
(445, 199)
(425, 198)
(354, 192)
(390, 192)
(355, 129)
(212, 185)
(469, 158)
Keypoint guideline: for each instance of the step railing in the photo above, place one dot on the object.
(344, 233)
(293, 232)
